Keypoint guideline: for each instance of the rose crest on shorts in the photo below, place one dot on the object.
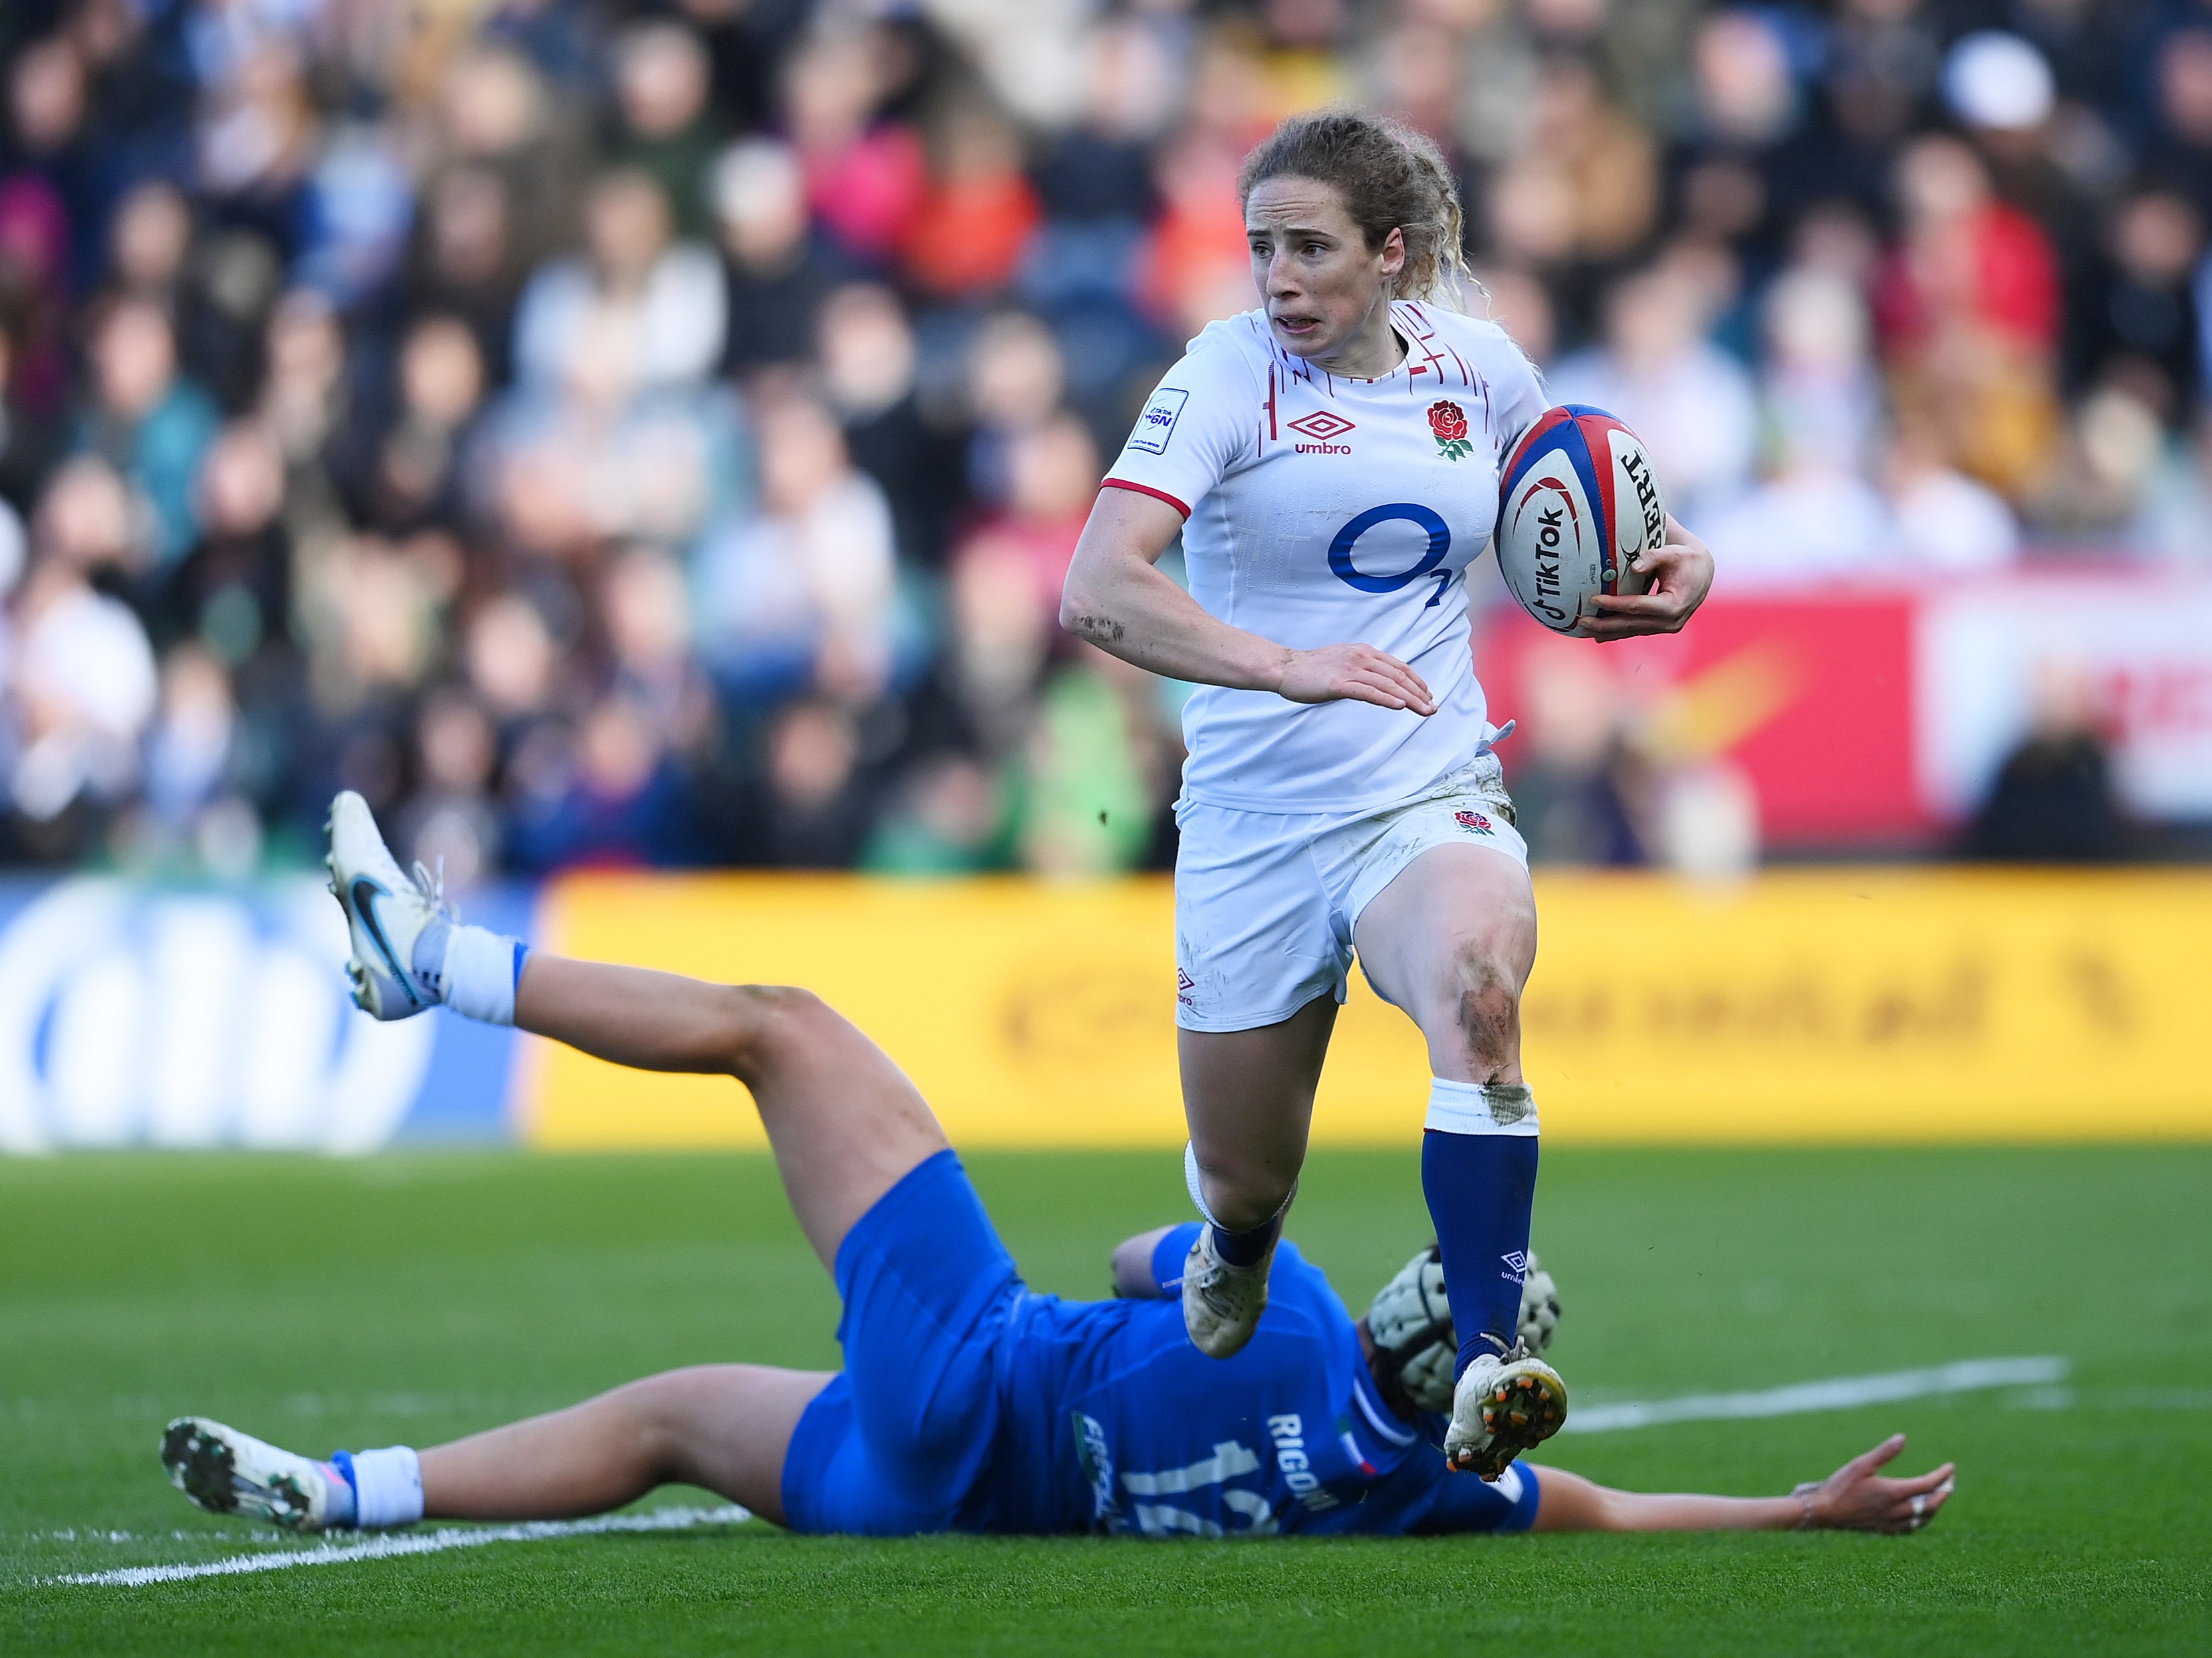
(1448, 421)
(1473, 820)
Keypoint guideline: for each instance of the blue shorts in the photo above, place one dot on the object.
(900, 1443)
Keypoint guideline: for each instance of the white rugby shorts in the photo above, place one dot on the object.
(1266, 902)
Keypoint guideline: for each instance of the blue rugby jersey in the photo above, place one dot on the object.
(1114, 1423)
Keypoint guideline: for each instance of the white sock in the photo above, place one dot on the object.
(1190, 1177)
(387, 1487)
(481, 969)
(1481, 1108)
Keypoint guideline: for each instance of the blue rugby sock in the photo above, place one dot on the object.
(1479, 1174)
(1247, 1248)
(1237, 1248)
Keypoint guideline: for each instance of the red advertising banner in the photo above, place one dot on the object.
(1877, 716)
(1814, 699)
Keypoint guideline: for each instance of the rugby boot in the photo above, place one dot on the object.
(1500, 1408)
(1222, 1303)
(401, 923)
(226, 1471)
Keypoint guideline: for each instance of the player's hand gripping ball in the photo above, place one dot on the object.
(1578, 502)
(1411, 1324)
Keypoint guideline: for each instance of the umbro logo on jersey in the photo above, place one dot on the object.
(1324, 428)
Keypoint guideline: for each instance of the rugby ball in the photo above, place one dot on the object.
(1577, 500)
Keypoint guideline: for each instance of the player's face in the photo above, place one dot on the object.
(1326, 293)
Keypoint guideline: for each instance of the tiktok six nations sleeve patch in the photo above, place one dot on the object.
(1157, 422)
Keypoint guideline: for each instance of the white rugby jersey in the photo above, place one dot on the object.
(1323, 511)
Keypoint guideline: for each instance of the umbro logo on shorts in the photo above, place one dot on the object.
(1184, 985)
(1324, 427)
(1472, 820)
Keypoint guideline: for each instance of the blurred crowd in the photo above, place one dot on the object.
(609, 433)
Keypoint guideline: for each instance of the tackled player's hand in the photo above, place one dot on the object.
(1857, 1497)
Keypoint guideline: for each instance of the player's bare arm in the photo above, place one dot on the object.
(1118, 598)
(1682, 574)
(1133, 1278)
(1856, 1497)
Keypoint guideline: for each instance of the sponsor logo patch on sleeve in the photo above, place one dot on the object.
(1157, 422)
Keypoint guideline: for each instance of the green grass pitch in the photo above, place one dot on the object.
(412, 1298)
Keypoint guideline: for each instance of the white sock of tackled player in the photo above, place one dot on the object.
(482, 969)
(387, 1486)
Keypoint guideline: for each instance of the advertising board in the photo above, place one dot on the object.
(135, 1014)
(1856, 1005)
(1878, 715)
(1831, 1005)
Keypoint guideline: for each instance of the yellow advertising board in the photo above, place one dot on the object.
(1864, 1004)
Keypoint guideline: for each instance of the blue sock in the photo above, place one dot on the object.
(1479, 1174)
(1248, 1248)
(1237, 1248)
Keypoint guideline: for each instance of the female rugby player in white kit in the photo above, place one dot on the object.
(1330, 462)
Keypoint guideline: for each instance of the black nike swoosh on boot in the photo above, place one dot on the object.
(366, 911)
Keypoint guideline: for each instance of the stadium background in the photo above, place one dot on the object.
(650, 439)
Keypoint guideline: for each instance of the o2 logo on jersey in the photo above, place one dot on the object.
(1347, 539)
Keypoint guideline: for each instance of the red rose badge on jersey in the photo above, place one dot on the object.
(1448, 421)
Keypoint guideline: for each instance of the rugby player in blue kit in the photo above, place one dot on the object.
(967, 1402)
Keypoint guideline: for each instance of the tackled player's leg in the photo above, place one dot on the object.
(871, 1179)
(894, 1443)
(845, 1123)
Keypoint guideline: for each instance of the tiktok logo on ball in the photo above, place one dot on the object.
(1553, 508)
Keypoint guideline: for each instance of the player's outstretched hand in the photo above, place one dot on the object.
(1682, 575)
(1359, 673)
(1857, 1498)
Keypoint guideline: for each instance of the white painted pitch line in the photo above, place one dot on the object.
(390, 1544)
(1837, 1393)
